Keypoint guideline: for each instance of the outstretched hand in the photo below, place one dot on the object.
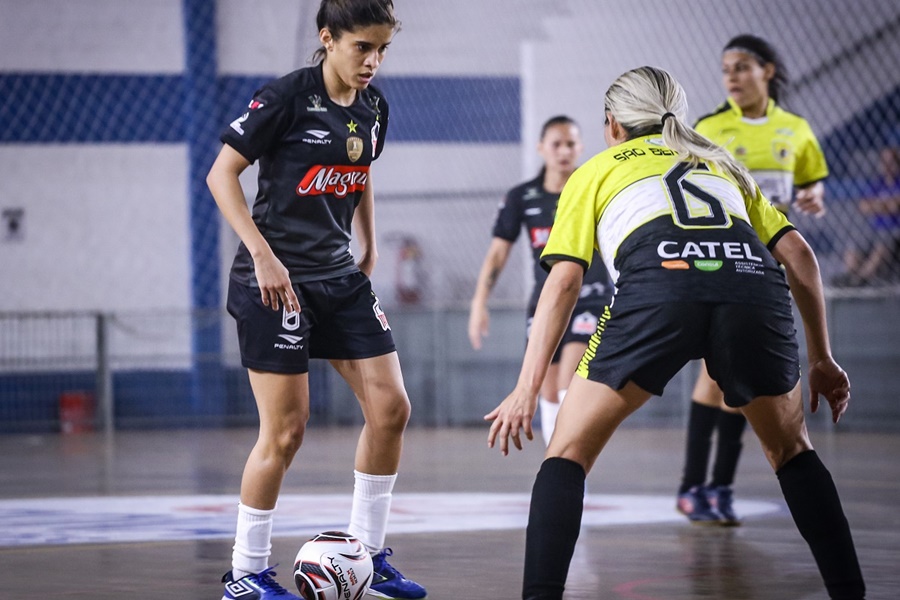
(827, 378)
(510, 418)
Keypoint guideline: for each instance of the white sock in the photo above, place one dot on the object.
(549, 410)
(370, 509)
(253, 541)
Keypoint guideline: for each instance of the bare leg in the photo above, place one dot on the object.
(283, 403)
(378, 385)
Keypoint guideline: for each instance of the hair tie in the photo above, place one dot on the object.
(666, 116)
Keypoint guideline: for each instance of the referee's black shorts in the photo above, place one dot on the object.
(750, 350)
(339, 318)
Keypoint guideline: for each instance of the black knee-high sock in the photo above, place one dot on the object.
(557, 502)
(701, 422)
(730, 427)
(814, 503)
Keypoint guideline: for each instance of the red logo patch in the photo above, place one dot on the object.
(338, 180)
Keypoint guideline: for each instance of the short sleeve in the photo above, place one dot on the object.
(811, 166)
(509, 218)
(260, 128)
(574, 233)
(768, 222)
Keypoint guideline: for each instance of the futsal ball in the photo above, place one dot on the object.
(333, 566)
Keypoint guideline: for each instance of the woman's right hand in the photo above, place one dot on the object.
(828, 379)
(275, 282)
(479, 324)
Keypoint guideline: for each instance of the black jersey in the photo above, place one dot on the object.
(530, 207)
(314, 159)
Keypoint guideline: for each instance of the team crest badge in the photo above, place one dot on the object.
(781, 150)
(354, 148)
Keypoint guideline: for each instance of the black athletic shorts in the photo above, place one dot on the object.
(339, 318)
(750, 350)
(581, 326)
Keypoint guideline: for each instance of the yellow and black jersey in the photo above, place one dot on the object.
(667, 230)
(779, 149)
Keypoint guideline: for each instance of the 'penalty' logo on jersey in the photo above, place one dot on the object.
(338, 180)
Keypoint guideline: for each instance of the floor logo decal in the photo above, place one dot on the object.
(113, 519)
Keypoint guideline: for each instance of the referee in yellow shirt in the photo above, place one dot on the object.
(784, 158)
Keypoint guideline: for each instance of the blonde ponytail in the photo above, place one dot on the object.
(649, 100)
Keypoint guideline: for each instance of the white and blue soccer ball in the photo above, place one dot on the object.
(333, 566)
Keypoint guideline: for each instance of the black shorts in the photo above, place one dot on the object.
(339, 318)
(750, 350)
(581, 327)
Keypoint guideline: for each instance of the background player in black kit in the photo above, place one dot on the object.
(531, 206)
(297, 292)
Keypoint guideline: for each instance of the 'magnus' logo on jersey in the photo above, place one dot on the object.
(338, 180)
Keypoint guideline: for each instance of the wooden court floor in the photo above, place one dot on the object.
(150, 514)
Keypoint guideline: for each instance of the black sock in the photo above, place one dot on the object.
(814, 503)
(701, 422)
(730, 428)
(557, 502)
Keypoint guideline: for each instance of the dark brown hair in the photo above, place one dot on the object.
(340, 16)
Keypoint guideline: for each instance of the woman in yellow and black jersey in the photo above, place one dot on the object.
(693, 248)
(783, 156)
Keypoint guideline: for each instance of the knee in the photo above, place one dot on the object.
(391, 413)
(288, 437)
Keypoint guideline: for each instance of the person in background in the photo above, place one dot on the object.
(297, 292)
(786, 161)
(531, 207)
(879, 262)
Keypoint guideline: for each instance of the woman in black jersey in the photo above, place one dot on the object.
(695, 278)
(296, 291)
(531, 206)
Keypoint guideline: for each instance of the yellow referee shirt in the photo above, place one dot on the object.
(779, 149)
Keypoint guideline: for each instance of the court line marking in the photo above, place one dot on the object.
(117, 519)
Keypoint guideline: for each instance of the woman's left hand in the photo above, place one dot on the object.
(510, 418)
(811, 199)
(366, 263)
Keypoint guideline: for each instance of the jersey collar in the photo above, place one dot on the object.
(737, 109)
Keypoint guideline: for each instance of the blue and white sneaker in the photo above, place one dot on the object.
(694, 504)
(388, 582)
(722, 500)
(256, 586)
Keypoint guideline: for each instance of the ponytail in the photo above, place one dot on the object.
(648, 100)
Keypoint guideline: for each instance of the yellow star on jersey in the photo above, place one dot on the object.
(351, 126)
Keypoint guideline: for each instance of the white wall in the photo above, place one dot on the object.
(104, 36)
(105, 228)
